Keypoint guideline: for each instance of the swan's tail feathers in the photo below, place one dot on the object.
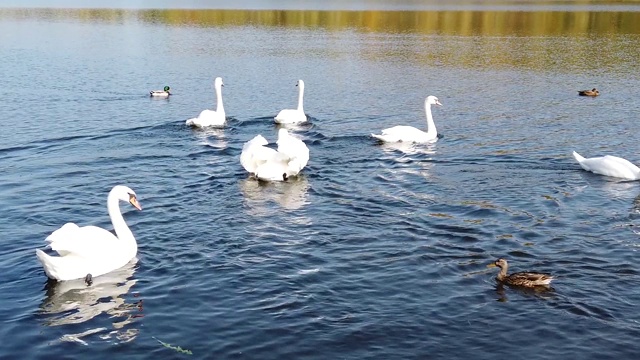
(578, 158)
(48, 264)
(189, 122)
(379, 137)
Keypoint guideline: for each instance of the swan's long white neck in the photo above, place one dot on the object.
(220, 107)
(300, 96)
(119, 226)
(431, 126)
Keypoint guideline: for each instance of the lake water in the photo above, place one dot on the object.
(375, 251)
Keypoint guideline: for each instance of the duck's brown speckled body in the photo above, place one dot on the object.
(524, 278)
(592, 92)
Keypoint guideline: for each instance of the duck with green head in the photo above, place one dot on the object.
(524, 278)
(161, 93)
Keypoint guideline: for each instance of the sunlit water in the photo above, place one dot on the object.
(375, 251)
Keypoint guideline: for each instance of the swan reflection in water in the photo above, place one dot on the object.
(73, 302)
(211, 136)
(412, 153)
(290, 195)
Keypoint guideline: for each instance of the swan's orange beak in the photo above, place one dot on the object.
(492, 265)
(133, 201)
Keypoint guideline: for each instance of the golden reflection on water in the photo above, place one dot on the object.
(450, 22)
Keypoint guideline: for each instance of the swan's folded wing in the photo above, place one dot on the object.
(86, 241)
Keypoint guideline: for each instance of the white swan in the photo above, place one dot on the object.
(274, 165)
(411, 134)
(609, 166)
(90, 249)
(210, 117)
(293, 116)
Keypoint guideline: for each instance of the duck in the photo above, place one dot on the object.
(592, 92)
(293, 116)
(90, 251)
(160, 93)
(402, 133)
(525, 279)
(209, 117)
(609, 165)
(268, 164)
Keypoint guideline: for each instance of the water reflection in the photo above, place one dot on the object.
(73, 302)
(541, 292)
(290, 195)
(409, 148)
(211, 136)
(487, 21)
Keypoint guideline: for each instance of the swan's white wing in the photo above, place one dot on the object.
(207, 118)
(611, 166)
(290, 116)
(295, 149)
(255, 154)
(273, 170)
(89, 242)
(404, 133)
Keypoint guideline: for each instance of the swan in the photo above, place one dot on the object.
(160, 93)
(610, 166)
(210, 117)
(89, 251)
(293, 116)
(269, 164)
(411, 134)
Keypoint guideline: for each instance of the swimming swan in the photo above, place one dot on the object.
(609, 166)
(90, 251)
(411, 134)
(160, 93)
(210, 117)
(293, 116)
(274, 165)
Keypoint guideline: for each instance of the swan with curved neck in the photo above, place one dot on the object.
(293, 116)
(209, 117)
(411, 134)
(609, 166)
(91, 250)
(274, 165)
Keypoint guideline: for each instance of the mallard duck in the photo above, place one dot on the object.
(526, 279)
(161, 93)
(592, 92)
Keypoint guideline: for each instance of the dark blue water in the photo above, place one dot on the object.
(374, 252)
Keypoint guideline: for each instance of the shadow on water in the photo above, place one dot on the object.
(73, 303)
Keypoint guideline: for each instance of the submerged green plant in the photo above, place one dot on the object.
(176, 348)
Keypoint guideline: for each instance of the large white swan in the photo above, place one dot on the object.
(274, 165)
(411, 134)
(609, 166)
(209, 117)
(293, 116)
(90, 250)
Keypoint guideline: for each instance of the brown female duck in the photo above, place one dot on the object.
(592, 92)
(526, 279)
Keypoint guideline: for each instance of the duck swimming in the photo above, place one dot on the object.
(592, 92)
(160, 93)
(525, 278)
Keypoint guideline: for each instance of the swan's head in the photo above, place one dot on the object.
(300, 84)
(432, 100)
(166, 88)
(218, 83)
(124, 193)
